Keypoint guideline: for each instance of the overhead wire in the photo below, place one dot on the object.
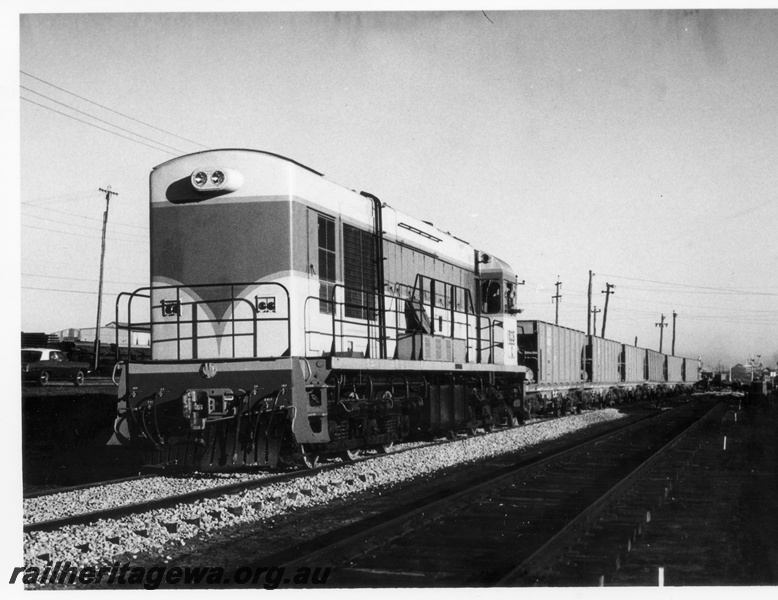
(94, 237)
(72, 196)
(96, 126)
(102, 120)
(685, 285)
(81, 279)
(70, 214)
(110, 230)
(112, 110)
(46, 289)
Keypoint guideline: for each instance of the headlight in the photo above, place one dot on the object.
(211, 179)
(199, 179)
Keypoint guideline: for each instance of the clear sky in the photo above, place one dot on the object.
(637, 144)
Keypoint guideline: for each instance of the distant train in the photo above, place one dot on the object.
(573, 371)
(293, 318)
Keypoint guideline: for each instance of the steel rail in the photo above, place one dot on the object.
(363, 539)
(535, 561)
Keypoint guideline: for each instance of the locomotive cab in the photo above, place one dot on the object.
(497, 291)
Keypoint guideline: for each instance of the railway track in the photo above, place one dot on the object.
(253, 481)
(512, 527)
(155, 527)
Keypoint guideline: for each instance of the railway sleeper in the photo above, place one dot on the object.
(580, 570)
(440, 559)
(473, 540)
(382, 577)
(606, 556)
(518, 506)
(621, 538)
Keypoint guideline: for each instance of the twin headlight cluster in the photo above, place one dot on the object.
(216, 180)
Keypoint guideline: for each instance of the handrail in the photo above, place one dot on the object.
(129, 319)
(193, 321)
(393, 331)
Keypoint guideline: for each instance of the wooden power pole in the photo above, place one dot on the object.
(589, 311)
(661, 326)
(556, 299)
(607, 291)
(595, 310)
(108, 194)
(675, 314)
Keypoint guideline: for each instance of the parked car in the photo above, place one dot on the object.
(44, 365)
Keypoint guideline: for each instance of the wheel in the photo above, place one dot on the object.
(79, 378)
(351, 455)
(43, 378)
(385, 448)
(310, 460)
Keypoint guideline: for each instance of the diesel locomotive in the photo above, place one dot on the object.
(293, 318)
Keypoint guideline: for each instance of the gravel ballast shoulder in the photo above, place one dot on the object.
(103, 542)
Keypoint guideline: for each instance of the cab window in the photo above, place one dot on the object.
(491, 297)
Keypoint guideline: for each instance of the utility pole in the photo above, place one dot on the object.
(108, 194)
(661, 326)
(607, 291)
(556, 299)
(595, 310)
(675, 314)
(588, 360)
(589, 310)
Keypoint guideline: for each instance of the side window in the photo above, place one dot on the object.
(510, 297)
(491, 296)
(326, 236)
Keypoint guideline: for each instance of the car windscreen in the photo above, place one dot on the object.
(30, 355)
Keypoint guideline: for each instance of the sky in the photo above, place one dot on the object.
(637, 144)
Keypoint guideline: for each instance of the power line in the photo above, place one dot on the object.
(95, 237)
(112, 110)
(45, 289)
(114, 232)
(695, 305)
(85, 270)
(79, 195)
(102, 120)
(722, 292)
(95, 126)
(80, 279)
(684, 285)
(63, 212)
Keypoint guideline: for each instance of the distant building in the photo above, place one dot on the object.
(741, 373)
(140, 336)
